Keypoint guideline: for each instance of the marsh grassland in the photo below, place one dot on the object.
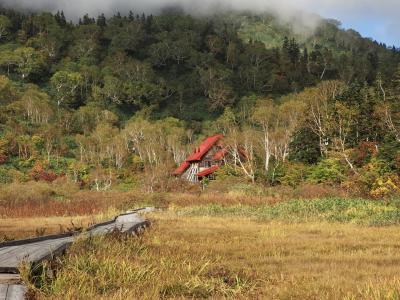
(242, 253)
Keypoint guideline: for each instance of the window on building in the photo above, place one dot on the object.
(206, 164)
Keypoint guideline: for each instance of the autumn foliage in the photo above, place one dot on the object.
(38, 173)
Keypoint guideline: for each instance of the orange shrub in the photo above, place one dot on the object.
(39, 173)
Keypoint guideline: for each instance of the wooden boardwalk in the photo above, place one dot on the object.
(12, 291)
(34, 251)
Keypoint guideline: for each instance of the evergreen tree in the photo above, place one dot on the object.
(131, 16)
(101, 21)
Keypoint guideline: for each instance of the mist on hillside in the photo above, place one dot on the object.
(73, 9)
(376, 17)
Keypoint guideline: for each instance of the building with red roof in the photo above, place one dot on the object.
(204, 160)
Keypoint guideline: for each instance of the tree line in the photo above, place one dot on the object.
(114, 99)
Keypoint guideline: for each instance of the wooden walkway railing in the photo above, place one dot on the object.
(36, 250)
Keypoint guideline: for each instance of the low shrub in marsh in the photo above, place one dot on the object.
(386, 186)
(375, 180)
(329, 170)
(294, 174)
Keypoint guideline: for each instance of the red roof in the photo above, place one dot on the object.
(220, 154)
(182, 168)
(198, 153)
(208, 171)
(204, 147)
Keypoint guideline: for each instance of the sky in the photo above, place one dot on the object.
(377, 19)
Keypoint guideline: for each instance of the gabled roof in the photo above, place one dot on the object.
(207, 171)
(204, 147)
(182, 168)
(220, 154)
(198, 153)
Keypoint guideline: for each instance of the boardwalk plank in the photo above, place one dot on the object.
(35, 250)
(16, 292)
(3, 291)
(10, 278)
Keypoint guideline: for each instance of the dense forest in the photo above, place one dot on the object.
(120, 101)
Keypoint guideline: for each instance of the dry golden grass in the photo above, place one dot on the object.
(19, 228)
(30, 227)
(41, 199)
(220, 257)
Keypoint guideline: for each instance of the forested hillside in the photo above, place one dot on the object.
(122, 100)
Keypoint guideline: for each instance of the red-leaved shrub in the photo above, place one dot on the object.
(38, 173)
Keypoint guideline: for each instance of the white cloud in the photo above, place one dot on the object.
(350, 11)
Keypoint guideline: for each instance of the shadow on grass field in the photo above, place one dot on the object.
(205, 252)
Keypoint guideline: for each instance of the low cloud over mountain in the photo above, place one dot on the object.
(371, 17)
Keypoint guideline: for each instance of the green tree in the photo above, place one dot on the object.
(266, 116)
(66, 88)
(255, 68)
(86, 46)
(126, 38)
(304, 147)
(36, 106)
(8, 60)
(217, 88)
(5, 26)
(28, 61)
(343, 124)
(8, 91)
